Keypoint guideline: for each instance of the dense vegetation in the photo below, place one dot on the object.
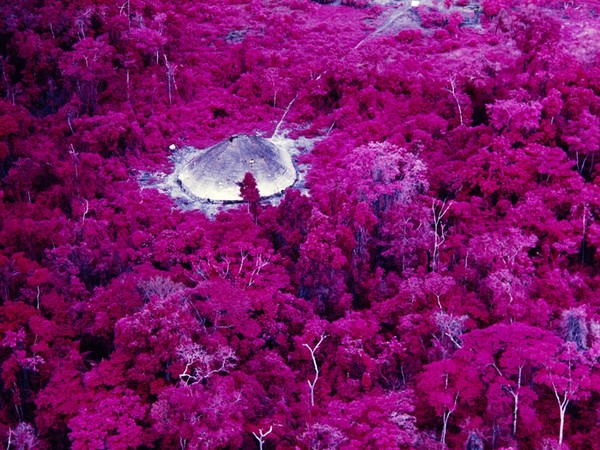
(437, 286)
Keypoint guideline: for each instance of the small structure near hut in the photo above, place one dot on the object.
(216, 173)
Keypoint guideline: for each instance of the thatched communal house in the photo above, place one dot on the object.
(216, 173)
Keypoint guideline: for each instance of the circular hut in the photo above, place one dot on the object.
(216, 173)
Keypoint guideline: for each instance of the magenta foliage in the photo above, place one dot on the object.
(431, 280)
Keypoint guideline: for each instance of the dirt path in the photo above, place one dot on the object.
(395, 16)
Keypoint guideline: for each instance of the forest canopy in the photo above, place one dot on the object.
(431, 283)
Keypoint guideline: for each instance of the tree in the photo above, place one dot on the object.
(375, 419)
(311, 384)
(260, 437)
(508, 356)
(22, 437)
(439, 231)
(250, 195)
(201, 365)
(575, 328)
(567, 375)
(320, 436)
(322, 265)
(112, 420)
(449, 388)
(193, 416)
(86, 67)
(54, 409)
(502, 257)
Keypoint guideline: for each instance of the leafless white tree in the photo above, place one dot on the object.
(312, 383)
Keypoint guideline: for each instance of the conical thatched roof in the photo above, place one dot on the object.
(216, 173)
